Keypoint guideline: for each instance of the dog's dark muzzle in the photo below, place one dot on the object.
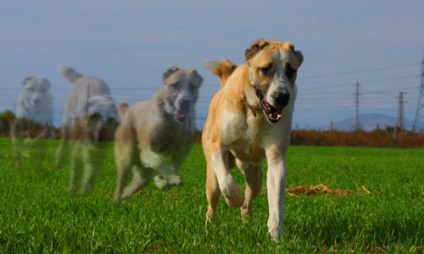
(281, 99)
(182, 110)
(185, 104)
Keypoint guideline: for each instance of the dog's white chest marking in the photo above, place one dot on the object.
(244, 136)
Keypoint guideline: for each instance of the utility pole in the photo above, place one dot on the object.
(400, 120)
(419, 114)
(357, 93)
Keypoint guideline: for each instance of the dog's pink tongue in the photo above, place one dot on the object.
(34, 109)
(180, 115)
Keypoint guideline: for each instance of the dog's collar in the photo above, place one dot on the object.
(244, 100)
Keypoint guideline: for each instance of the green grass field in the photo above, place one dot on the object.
(38, 215)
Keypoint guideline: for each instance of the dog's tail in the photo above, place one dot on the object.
(70, 73)
(223, 69)
(122, 108)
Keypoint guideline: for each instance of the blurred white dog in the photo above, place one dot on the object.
(34, 120)
(35, 102)
(89, 118)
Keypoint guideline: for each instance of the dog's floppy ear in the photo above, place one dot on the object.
(255, 48)
(46, 84)
(299, 56)
(169, 72)
(297, 53)
(198, 77)
(27, 79)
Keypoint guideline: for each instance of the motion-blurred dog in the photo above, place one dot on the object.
(34, 120)
(155, 136)
(35, 102)
(88, 121)
(249, 120)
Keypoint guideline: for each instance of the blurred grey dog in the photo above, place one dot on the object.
(35, 102)
(155, 136)
(88, 121)
(34, 120)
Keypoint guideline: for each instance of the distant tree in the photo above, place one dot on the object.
(390, 129)
(6, 119)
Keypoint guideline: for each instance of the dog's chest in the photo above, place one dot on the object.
(171, 136)
(244, 136)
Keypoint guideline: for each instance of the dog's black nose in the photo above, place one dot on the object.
(36, 101)
(185, 104)
(282, 99)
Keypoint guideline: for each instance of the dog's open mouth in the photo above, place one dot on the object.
(272, 113)
(180, 115)
(34, 109)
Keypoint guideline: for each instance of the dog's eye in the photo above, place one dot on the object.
(192, 86)
(176, 85)
(290, 72)
(266, 70)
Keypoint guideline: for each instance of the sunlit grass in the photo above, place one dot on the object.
(39, 215)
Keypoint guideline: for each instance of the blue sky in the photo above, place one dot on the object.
(131, 43)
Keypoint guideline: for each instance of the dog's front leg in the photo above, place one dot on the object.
(228, 186)
(92, 156)
(64, 147)
(168, 176)
(276, 181)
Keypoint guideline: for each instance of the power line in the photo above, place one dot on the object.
(342, 86)
(390, 90)
(359, 71)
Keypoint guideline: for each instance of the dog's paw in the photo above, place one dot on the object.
(211, 218)
(175, 180)
(165, 183)
(26, 153)
(235, 197)
(246, 214)
(160, 182)
(117, 200)
(73, 189)
(275, 235)
(29, 142)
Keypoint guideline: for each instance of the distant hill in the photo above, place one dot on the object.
(372, 121)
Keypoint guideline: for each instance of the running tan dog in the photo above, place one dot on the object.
(155, 136)
(249, 120)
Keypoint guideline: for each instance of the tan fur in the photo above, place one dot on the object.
(222, 69)
(155, 136)
(237, 133)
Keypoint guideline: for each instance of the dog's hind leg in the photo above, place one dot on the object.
(18, 156)
(93, 156)
(253, 176)
(213, 195)
(124, 153)
(139, 180)
(64, 148)
(75, 168)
